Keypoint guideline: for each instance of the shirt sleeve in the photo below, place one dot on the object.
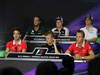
(24, 46)
(66, 31)
(70, 49)
(89, 47)
(53, 30)
(95, 33)
(8, 45)
(81, 29)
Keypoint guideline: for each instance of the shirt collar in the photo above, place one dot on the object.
(83, 44)
(19, 42)
(89, 27)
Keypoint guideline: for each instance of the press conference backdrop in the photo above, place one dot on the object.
(19, 13)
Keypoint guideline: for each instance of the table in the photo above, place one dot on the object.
(28, 66)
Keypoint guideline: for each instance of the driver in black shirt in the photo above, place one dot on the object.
(52, 45)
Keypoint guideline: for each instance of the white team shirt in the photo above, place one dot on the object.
(91, 33)
(64, 31)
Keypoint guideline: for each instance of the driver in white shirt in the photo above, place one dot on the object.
(89, 30)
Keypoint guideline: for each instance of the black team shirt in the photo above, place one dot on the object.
(51, 48)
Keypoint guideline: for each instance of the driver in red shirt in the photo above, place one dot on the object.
(16, 45)
(81, 49)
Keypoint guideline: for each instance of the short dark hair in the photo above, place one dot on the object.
(89, 18)
(10, 71)
(68, 63)
(17, 29)
(93, 66)
(80, 31)
(47, 68)
(50, 33)
(38, 17)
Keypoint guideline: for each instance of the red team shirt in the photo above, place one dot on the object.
(16, 48)
(83, 51)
